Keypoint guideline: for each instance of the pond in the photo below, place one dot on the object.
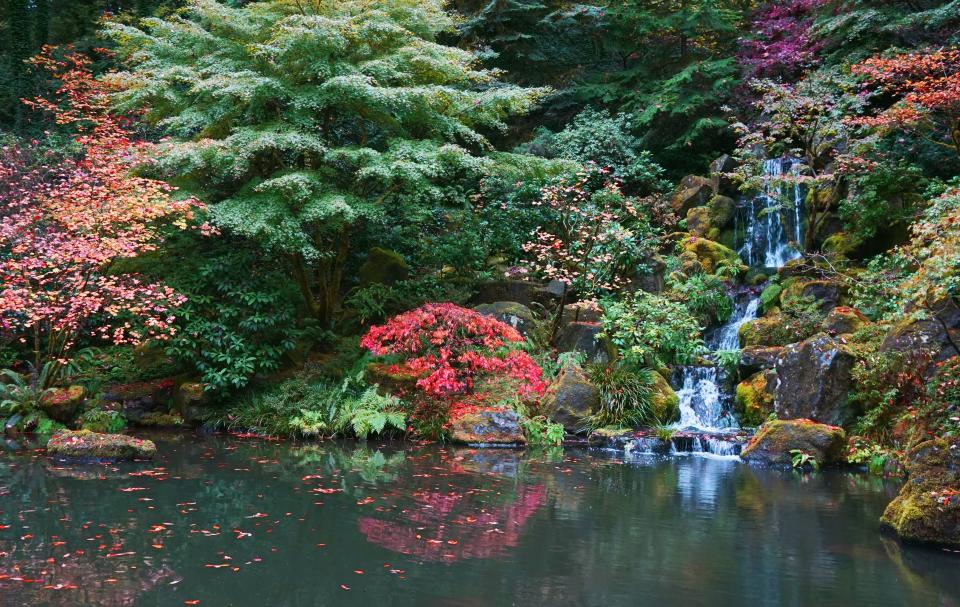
(219, 520)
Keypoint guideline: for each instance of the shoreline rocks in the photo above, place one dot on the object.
(927, 510)
(87, 445)
(496, 427)
(774, 441)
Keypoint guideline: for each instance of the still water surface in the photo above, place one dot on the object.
(229, 521)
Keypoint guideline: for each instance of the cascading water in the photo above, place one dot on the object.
(770, 222)
(703, 405)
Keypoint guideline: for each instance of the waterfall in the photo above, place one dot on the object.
(703, 404)
(771, 220)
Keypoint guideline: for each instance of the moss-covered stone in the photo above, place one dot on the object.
(83, 444)
(827, 293)
(383, 266)
(571, 398)
(722, 210)
(488, 427)
(770, 296)
(843, 320)
(698, 221)
(517, 315)
(841, 243)
(754, 398)
(762, 331)
(62, 404)
(927, 510)
(692, 191)
(711, 255)
(666, 403)
(774, 441)
(610, 438)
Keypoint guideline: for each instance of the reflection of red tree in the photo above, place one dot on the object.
(454, 526)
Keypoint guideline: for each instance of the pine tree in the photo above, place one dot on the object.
(303, 119)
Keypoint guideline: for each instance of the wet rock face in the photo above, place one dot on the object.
(511, 313)
(928, 507)
(84, 444)
(775, 440)
(938, 332)
(491, 427)
(826, 293)
(571, 398)
(383, 266)
(815, 381)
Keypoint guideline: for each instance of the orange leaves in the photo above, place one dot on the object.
(65, 222)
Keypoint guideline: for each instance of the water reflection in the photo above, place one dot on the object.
(226, 521)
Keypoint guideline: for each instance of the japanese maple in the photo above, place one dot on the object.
(64, 223)
(927, 87)
(782, 44)
(449, 348)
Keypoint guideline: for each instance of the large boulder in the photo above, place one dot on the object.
(774, 441)
(758, 358)
(383, 266)
(843, 320)
(512, 313)
(928, 508)
(84, 444)
(571, 398)
(936, 331)
(815, 380)
(698, 221)
(664, 400)
(192, 399)
(519, 291)
(692, 191)
(584, 337)
(488, 427)
(754, 397)
(720, 171)
(723, 210)
(826, 293)
(650, 277)
(139, 400)
(581, 311)
(62, 404)
(710, 254)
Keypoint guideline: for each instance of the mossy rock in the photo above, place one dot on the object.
(666, 403)
(383, 266)
(571, 398)
(610, 438)
(843, 320)
(698, 221)
(692, 191)
(62, 404)
(722, 211)
(765, 331)
(517, 315)
(774, 441)
(927, 510)
(770, 296)
(84, 445)
(827, 293)
(491, 427)
(711, 254)
(754, 398)
(842, 243)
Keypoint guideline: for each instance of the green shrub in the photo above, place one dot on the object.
(626, 397)
(652, 331)
(102, 420)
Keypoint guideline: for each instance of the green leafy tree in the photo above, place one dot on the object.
(305, 120)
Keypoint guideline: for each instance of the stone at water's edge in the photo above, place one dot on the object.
(928, 508)
(815, 381)
(489, 427)
(83, 444)
(753, 398)
(774, 441)
(571, 398)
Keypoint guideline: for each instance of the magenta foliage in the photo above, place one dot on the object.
(782, 44)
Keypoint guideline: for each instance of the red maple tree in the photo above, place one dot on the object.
(64, 223)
